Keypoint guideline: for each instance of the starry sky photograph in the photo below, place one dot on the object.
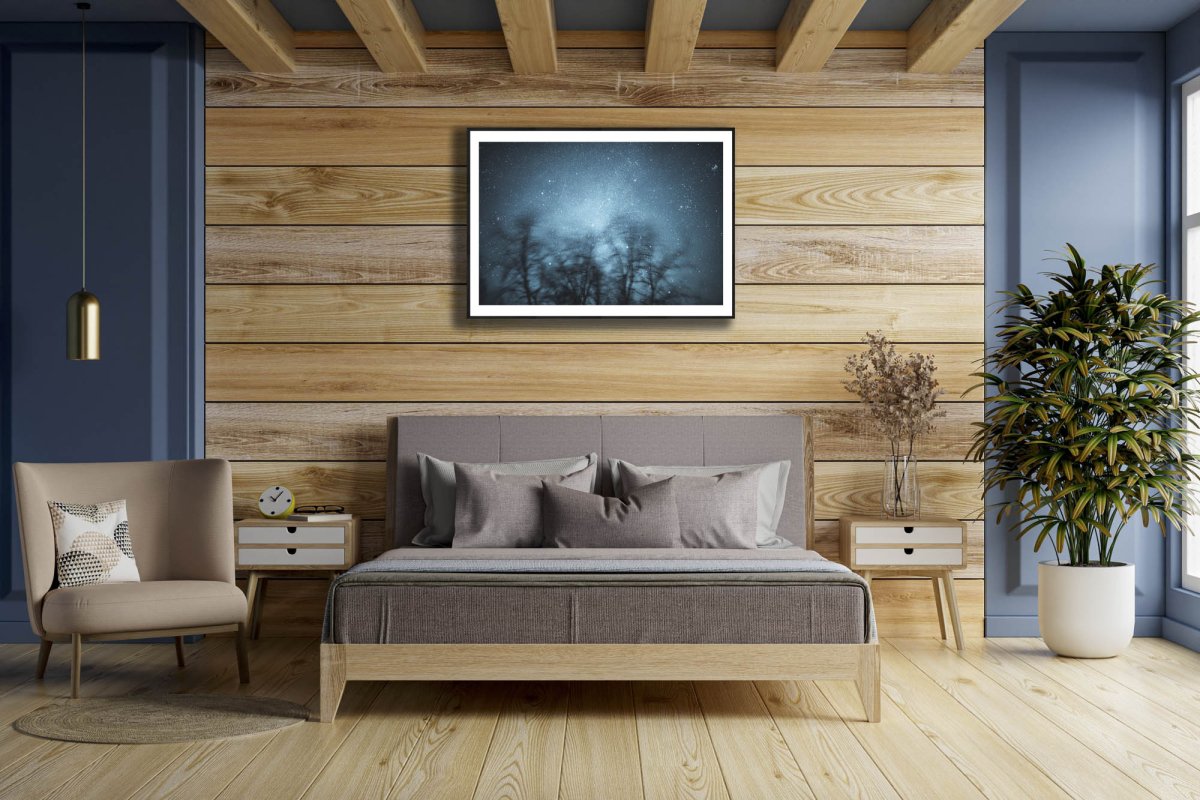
(600, 223)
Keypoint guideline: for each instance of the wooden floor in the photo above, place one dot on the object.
(1004, 720)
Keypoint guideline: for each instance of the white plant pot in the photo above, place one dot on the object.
(1086, 612)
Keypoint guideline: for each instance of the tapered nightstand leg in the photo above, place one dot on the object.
(952, 602)
(937, 600)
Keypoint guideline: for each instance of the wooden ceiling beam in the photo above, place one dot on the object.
(948, 30)
(671, 30)
(391, 30)
(530, 34)
(810, 31)
(253, 30)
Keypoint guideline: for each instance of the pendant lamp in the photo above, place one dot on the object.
(83, 307)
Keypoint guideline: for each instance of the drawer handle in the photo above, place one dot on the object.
(292, 551)
(291, 528)
(908, 529)
(908, 551)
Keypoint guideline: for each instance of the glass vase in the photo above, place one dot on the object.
(901, 488)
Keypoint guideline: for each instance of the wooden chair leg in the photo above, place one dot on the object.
(76, 663)
(258, 608)
(179, 659)
(242, 658)
(43, 658)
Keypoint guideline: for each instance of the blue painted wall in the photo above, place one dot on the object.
(143, 399)
(1074, 153)
(1182, 621)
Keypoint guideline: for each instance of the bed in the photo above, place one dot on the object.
(599, 614)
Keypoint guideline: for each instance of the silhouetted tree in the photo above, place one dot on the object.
(623, 264)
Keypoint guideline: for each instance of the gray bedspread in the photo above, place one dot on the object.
(536, 595)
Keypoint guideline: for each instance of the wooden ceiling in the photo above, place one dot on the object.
(255, 32)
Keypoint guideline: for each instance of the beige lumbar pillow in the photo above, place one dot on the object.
(93, 543)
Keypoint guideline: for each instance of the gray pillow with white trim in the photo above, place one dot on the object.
(772, 491)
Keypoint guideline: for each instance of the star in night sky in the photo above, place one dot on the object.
(600, 222)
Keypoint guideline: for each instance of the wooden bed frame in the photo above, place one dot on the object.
(599, 662)
(595, 662)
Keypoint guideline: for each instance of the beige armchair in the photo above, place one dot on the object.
(181, 524)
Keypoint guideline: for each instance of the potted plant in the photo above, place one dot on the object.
(1085, 428)
(899, 401)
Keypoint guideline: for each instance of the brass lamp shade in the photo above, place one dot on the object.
(83, 326)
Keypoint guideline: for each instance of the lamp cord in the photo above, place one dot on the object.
(83, 143)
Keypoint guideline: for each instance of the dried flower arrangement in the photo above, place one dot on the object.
(898, 397)
(898, 393)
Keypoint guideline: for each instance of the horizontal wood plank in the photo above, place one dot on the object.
(321, 254)
(438, 314)
(516, 372)
(437, 195)
(948, 489)
(291, 195)
(438, 136)
(857, 195)
(840, 488)
(358, 431)
(372, 542)
(856, 254)
(595, 78)
(765, 254)
(904, 607)
(608, 40)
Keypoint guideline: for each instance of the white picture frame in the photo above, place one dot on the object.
(566, 247)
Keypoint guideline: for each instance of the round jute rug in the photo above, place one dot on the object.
(160, 718)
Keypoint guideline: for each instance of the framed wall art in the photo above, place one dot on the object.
(601, 223)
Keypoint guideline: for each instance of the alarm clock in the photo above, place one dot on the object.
(276, 502)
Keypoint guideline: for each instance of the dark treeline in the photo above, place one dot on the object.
(621, 263)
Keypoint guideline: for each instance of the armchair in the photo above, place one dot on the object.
(181, 524)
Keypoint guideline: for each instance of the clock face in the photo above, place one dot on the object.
(276, 501)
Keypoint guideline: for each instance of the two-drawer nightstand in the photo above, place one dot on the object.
(276, 548)
(927, 548)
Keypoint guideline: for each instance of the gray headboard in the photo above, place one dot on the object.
(673, 440)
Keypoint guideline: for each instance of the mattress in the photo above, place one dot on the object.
(630, 596)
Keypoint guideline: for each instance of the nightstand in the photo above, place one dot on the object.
(926, 548)
(273, 548)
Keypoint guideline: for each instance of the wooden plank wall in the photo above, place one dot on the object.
(336, 254)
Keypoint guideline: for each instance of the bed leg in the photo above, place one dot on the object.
(868, 681)
(333, 679)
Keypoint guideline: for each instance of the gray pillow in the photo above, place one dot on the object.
(497, 510)
(718, 511)
(648, 517)
(772, 490)
(437, 489)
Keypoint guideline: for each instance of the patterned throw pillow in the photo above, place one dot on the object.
(93, 543)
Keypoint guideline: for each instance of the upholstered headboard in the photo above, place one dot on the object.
(662, 440)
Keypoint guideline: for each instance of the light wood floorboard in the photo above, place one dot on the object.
(1003, 719)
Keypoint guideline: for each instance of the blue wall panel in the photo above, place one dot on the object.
(143, 399)
(1182, 622)
(1074, 154)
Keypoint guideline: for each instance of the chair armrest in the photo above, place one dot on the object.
(200, 514)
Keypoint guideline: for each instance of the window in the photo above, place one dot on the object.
(1191, 284)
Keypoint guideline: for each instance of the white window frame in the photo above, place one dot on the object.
(1190, 250)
